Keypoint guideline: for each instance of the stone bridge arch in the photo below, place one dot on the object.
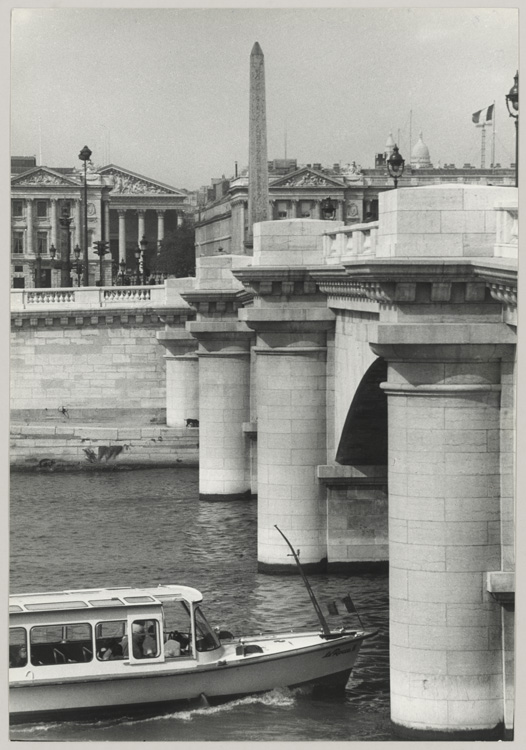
(357, 533)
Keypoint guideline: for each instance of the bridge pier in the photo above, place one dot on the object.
(224, 406)
(182, 374)
(444, 536)
(291, 418)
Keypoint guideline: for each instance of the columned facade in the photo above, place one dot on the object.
(122, 208)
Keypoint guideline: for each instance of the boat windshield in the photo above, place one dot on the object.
(206, 639)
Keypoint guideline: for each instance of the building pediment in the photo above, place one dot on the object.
(124, 182)
(307, 178)
(43, 176)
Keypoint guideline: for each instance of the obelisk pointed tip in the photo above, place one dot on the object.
(256, 50)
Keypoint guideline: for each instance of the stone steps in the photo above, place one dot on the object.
(48, 447)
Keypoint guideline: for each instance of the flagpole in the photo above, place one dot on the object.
(323, 622)
(483, 147)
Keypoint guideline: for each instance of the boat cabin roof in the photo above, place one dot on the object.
(101, 598)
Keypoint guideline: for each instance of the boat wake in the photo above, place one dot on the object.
(278, 698)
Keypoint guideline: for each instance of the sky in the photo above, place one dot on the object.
(165, 92)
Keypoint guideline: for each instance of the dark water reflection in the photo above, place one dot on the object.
(148, 527)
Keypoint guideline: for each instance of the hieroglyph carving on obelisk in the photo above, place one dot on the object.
(258, 205)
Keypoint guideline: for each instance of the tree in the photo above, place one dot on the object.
(176, 254)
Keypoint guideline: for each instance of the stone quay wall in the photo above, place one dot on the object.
(89, 377)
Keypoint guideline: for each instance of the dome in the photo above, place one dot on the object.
(389, 145)
(420, 154)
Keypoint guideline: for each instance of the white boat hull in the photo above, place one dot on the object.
(287, 660)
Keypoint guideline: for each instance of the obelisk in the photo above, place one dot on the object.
(258, 206)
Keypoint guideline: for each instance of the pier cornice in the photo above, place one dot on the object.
(210, 301)
(276, 281)
(42, 318)
(389, 282)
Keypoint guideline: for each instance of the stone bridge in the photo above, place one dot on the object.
(361, 381)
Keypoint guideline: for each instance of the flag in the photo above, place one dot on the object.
(483, 115)
(333, 609)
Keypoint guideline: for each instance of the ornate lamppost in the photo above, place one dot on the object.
(121, 276)
(84, 156)
(78, 265)
(512, 103)
(101, 250)
(395, 165)
(65, 263)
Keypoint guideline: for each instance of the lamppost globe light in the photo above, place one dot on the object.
(76, 252)
(137, 252)
(52, 252)
(143, 243)
(395, 165)
(512, 103)
(85, 154)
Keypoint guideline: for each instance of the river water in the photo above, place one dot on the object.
(149, 527)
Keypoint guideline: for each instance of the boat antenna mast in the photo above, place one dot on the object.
(323, 622)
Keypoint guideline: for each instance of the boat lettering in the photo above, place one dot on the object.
(338, 651)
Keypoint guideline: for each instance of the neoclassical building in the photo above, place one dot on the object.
(123, 207)
(298, 192)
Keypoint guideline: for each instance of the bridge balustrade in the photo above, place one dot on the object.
(346, 243)
(88, 297)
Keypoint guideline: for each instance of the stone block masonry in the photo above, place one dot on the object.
(103, 367)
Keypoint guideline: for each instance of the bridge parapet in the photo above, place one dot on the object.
(447, 221)
(88, 297)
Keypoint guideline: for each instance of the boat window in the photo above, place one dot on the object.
(108, 640)
(177, 627)
(106, 603)
(61, 644)
(138, 599)
(55, 605)
(17, 647)
(145, 639)
(206, 639)
(15, 608)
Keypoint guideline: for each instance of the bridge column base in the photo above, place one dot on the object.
(494, 734)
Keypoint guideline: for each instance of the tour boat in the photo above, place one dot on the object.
(94, 651)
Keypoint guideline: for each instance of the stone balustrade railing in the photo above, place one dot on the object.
(350, 242)
(507, 226)
(88, 297)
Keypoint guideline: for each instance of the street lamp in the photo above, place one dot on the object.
(512, 103)
(78, 265)
(101, 251)
(84, 156)
(122, 272)
(395, 165)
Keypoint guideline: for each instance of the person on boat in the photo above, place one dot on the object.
(19, 659)
(138, 636)
(172, 648)
(149, 645)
